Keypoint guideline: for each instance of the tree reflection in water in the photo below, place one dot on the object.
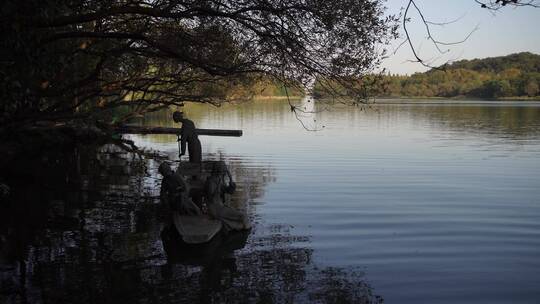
(85, 225)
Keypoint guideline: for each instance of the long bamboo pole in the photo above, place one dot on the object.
(130, 129)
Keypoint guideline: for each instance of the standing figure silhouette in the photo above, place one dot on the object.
(188, 136)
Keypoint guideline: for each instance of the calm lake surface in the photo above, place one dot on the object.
(418, 202)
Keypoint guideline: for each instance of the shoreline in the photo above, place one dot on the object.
(277, 97)
(400, 99)
(435, 98)
(460, 98)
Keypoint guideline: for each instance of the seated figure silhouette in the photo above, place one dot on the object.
(215, 189)
(175, 192)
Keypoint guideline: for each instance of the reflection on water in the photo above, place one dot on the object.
(88, 227)
(511, 120)
(430, 202)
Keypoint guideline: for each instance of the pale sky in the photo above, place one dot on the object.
(509, 30)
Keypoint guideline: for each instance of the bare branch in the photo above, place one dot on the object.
(491, 5)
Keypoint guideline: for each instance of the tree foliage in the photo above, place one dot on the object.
(81, 58)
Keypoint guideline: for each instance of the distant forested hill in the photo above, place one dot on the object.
(516, 75)
(525, 62)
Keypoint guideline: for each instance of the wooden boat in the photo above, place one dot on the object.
(196, 229)
(200, 228)
(219, 247)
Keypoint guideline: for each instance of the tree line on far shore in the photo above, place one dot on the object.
(516, 75)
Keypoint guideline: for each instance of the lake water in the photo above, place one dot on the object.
(409, 202)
